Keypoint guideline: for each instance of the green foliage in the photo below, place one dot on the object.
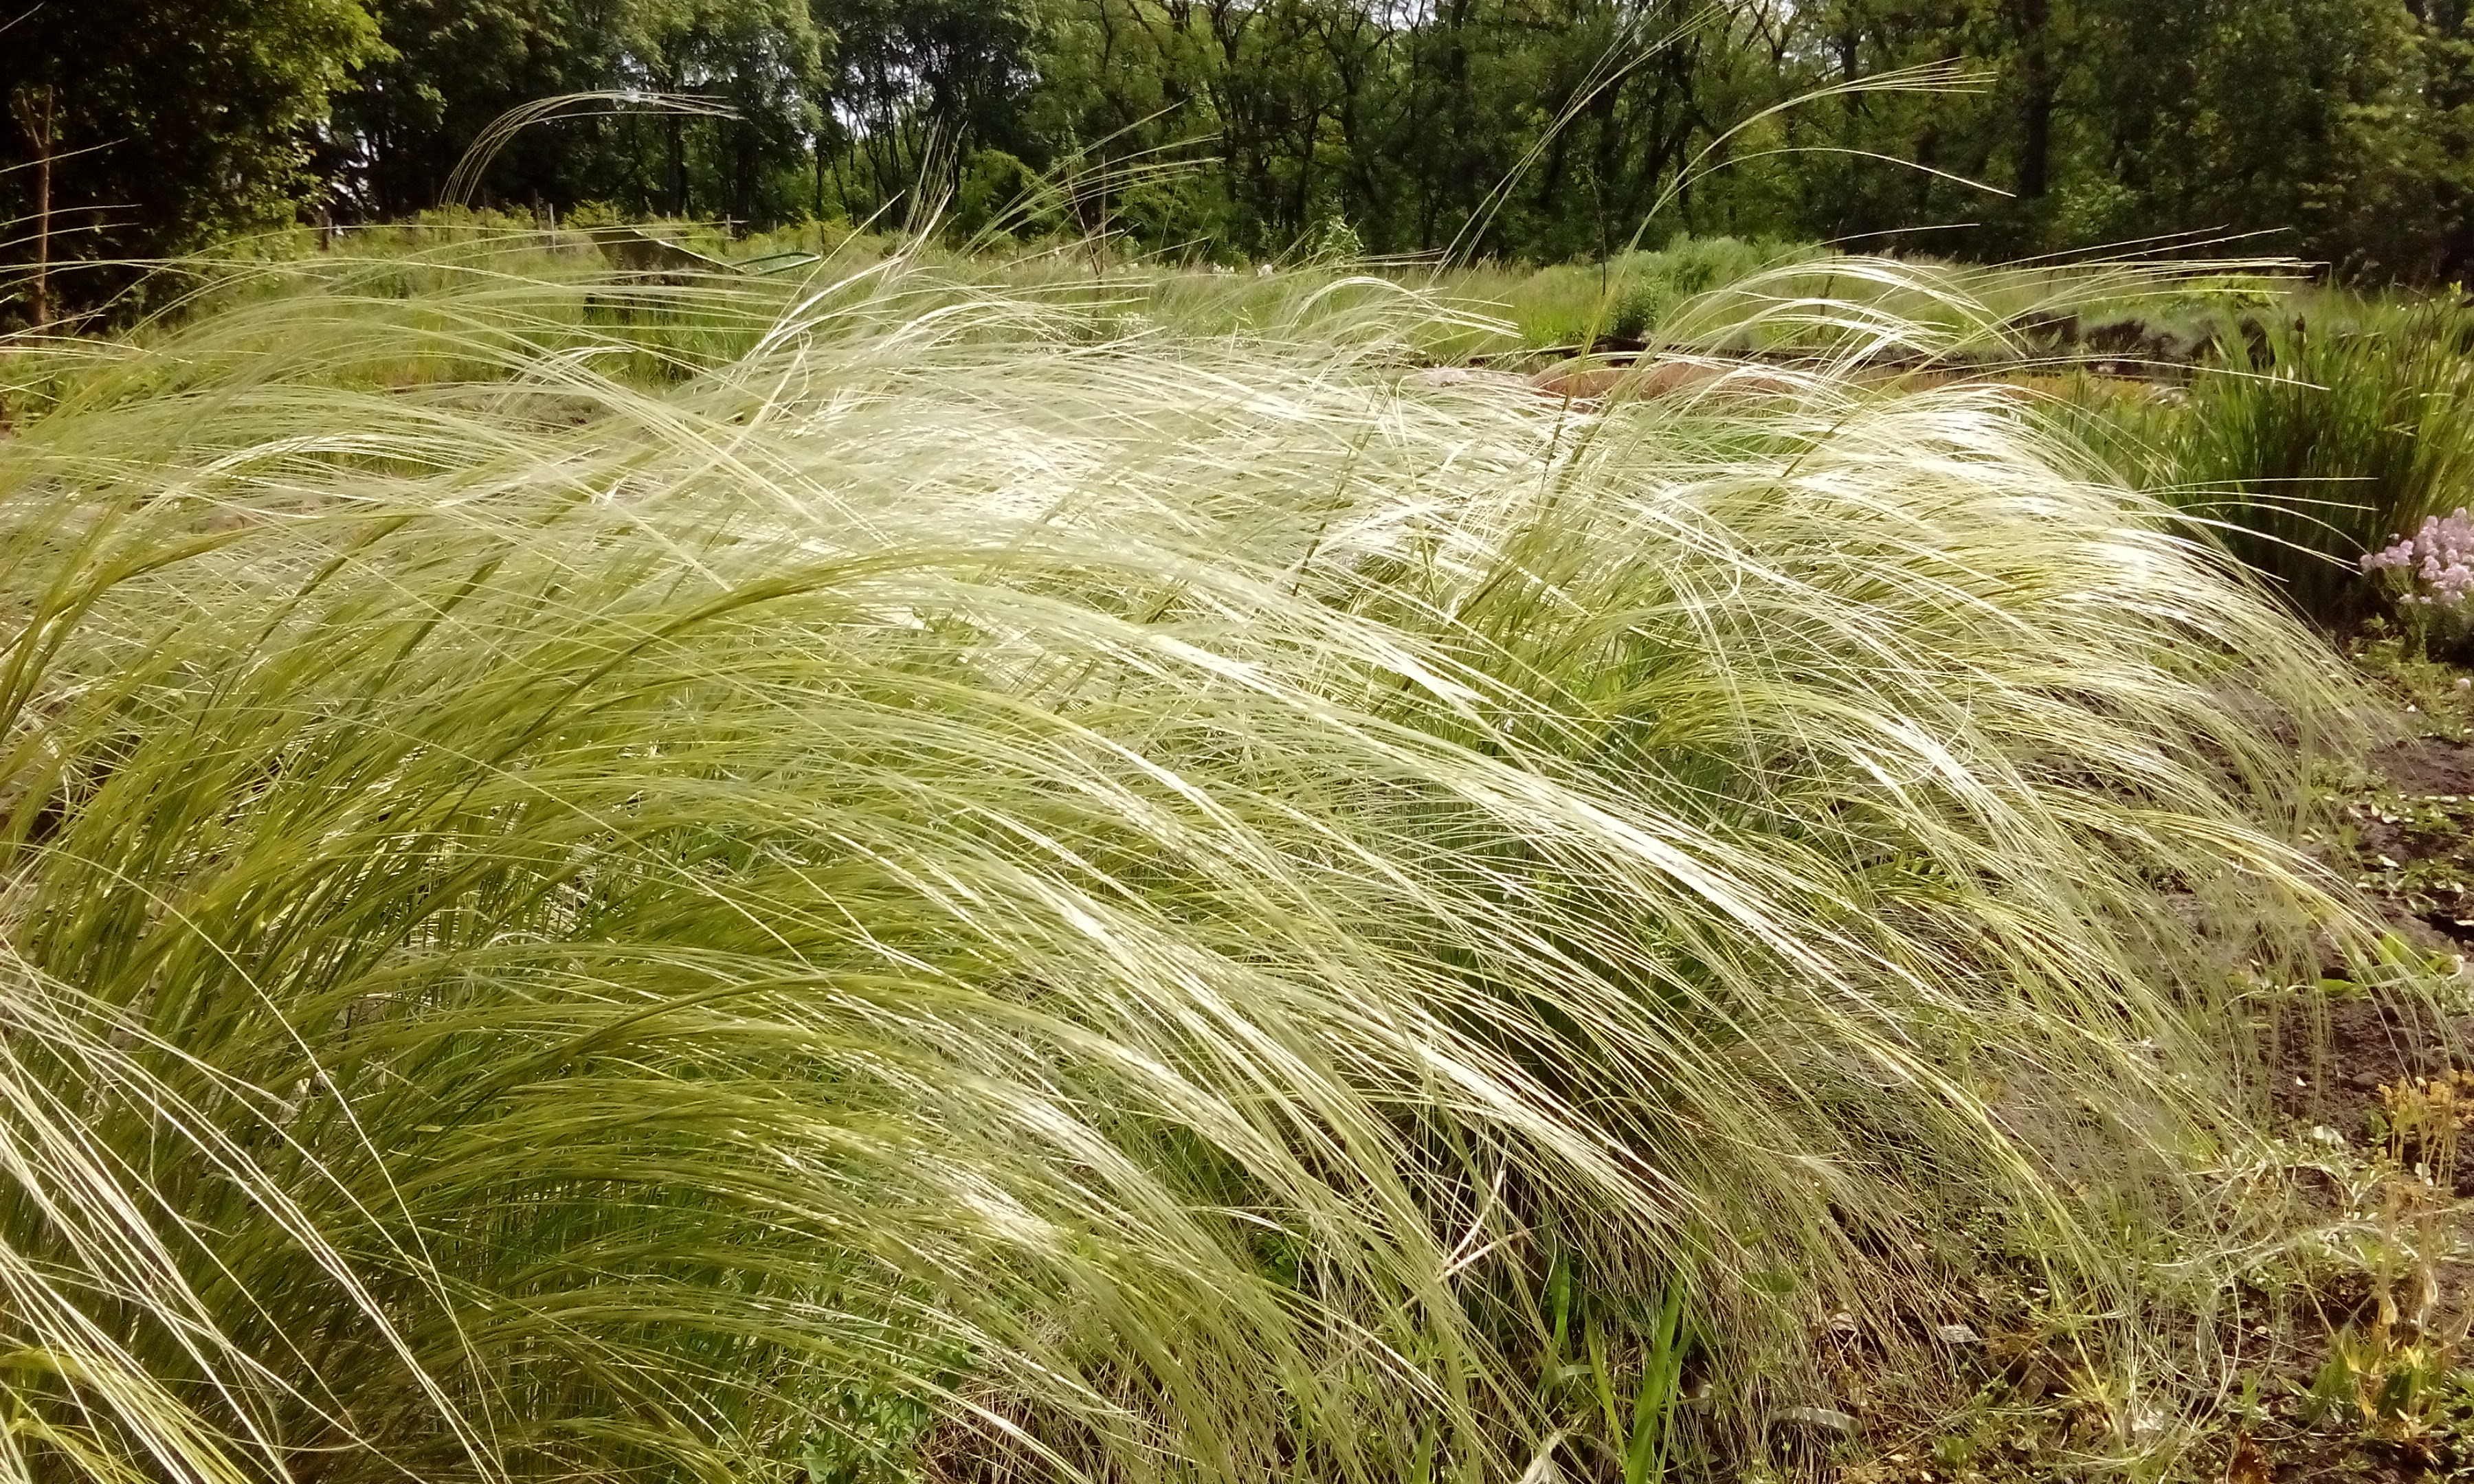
(1650, 285)
(1551, 131)
(999, 191)
(1515, 130)
(458, 64)
(2385, 1386)
(1509, 128)
(171, 120)
(2111, 120)
(451, 67)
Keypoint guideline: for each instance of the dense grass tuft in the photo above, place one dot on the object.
(953, 883)
(2315, 435)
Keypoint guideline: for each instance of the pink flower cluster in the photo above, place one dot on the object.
(2442, 554)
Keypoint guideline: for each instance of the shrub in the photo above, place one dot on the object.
(997, 191)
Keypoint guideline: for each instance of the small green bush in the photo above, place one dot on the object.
(998, 191)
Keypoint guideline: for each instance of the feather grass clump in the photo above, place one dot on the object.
(973, 892)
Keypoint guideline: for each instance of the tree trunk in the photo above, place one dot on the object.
(678, 159)
(2036, 100)
(35, 111)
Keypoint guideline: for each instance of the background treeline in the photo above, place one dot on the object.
(1531, 129)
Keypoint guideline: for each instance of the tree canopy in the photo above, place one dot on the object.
(161, 123)
(2337, 130)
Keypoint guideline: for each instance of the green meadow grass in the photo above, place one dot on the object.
(890, 876)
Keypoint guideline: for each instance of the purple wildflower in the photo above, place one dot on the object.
(2440, 556)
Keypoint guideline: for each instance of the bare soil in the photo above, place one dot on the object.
(2401, 828)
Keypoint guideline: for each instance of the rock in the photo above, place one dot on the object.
(1818, 1419)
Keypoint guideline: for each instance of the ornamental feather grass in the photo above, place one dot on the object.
(956, 886)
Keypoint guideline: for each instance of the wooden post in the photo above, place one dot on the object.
(34, 107)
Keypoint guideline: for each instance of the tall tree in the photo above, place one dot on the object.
(762, 57)
(168, 121)
(922, 85)
(453, 65)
